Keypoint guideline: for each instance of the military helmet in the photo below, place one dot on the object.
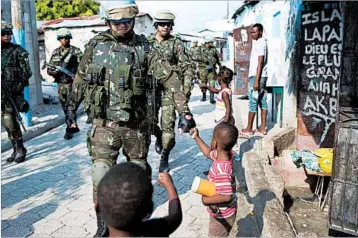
(6, 27)
(63, 32)
(164, 16)
(124, 11)
(209, 40)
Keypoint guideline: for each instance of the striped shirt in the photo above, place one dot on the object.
(221, 173)
(220, 109)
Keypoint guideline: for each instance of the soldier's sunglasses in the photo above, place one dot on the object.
(163, 24)
(6, 33)
(67, 37)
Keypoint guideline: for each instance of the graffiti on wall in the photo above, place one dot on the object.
(321, 46)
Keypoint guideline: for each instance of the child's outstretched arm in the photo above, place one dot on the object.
(211, 89)
(228, 112)
(205, 149)
(163, 227)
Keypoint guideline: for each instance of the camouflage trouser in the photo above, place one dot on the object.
(64, 94)
(104, 142)
(205, 77)
(8, 120)
(167, 122)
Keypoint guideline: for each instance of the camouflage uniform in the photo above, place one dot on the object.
(200, 58)
(193, 53)
(177, 66)
(69, 58)
(213, 56)
(15, 74)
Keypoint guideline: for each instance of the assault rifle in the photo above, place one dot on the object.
(210, 67)
(12, 103)
(61, 69)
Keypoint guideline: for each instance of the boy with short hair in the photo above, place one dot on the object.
(125, 201)
(222, 206)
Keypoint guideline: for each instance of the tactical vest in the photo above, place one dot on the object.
(167, 58)
(14, 76)
(116, 78)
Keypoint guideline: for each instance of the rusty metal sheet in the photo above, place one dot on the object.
(343, 213)
(243, 45)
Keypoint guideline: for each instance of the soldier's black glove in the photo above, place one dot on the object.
(186, 124)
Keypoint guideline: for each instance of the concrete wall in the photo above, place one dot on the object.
(274, 16)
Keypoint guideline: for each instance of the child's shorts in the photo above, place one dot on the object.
(221, 227)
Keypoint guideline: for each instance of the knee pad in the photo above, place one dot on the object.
(99, 169)
(168, 140)
(212, 83)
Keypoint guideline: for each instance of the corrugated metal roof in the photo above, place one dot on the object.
(76, 23)
(79, 22)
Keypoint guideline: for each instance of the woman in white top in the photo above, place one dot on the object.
(223, 110)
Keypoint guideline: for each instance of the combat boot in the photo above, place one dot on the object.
(20, 151)
(212, 101)
(69, 132)
(102, 229)
(164, 161)
(13, 155)
(203, 99)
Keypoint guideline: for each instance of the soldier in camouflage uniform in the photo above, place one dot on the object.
(169, 49)
(69, 57)
(113, 76)
(192, 53)
(212, 60)
(15, 74)
(200, 58)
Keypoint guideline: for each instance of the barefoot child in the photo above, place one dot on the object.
(222, 206)
(125, 200)
(223, 110)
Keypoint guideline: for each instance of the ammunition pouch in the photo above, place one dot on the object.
(130, 82)
(138, 82)
(95, 74)
(95, 101)
(121, 80)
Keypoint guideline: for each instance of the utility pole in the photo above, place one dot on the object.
(25, 34)
(19, 36)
